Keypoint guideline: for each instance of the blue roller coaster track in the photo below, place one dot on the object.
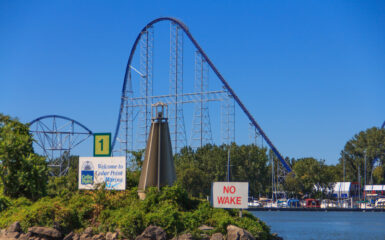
(62, 117)
(217, 73)
(383, 125)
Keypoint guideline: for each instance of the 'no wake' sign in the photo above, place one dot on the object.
(230, 194)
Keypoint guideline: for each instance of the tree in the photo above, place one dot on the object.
(369, 145)
(196, 170)
(22, 172)
(312, 175)
(292, 185)
(379, 175)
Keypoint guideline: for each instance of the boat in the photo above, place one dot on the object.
(255, 203)
(312, 203)
(327, 203)
(380, 203)
(293, 203)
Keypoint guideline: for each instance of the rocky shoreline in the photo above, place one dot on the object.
(14, 232)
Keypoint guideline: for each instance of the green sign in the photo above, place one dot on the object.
(102, 144)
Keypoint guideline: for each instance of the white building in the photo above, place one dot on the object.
(345, 189)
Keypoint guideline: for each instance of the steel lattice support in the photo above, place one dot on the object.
(253, 135)
(126, 134)
(57, 136)
(146, 57)
(228, 120)
(201, 127)
(176, 119)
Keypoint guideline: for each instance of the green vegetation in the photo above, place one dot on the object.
(170, 208)
(196, 170)
(369, 144)
(22, 172)
(28, 195)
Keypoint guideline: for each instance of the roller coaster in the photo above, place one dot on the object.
(134, 117)
(177, 26)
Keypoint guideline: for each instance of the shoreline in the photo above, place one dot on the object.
(256, 209)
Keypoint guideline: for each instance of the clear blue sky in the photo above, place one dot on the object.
(311, 72)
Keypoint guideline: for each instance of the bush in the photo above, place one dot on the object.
(4, 203)
(105, 211)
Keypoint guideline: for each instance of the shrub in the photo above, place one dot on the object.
(4, 203)
(104, 210)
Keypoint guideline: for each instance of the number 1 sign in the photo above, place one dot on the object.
(102, 144)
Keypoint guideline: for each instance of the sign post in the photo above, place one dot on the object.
(230, 194)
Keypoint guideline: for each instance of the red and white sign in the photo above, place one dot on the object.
(230, 194)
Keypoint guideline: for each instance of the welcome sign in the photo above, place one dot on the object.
(97, 170)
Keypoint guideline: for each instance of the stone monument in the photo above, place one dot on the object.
(158, 167)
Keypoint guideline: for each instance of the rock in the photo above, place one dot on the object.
(25, 236)
(217, 236)
(12, 235)
(186, 236)
(76, 237)
(88, 231)
(152, 233)
(111, 236)
(6, 238)
(85, 236)
(15, 227)
(99, 236)
(205, 228)
(5, 234)
(45, 232)
(69, 236)
(237, 233)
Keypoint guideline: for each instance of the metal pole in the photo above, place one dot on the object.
(344, 167)
(359, 183)
(228, 165)
(365, 177)
(272, 177)
(159, 146)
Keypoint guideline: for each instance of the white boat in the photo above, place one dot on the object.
(326, 203)
(255, 203)
(380, 203)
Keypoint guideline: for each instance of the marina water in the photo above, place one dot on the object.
(325, 225)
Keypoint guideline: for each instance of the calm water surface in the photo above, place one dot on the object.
(325, 225)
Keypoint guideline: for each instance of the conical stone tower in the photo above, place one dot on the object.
(158, 167)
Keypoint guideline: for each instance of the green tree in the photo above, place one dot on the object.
(379, 175)
(22, 172)
(292, 185)
(196, 170)
(312, 175)
(369, 144)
